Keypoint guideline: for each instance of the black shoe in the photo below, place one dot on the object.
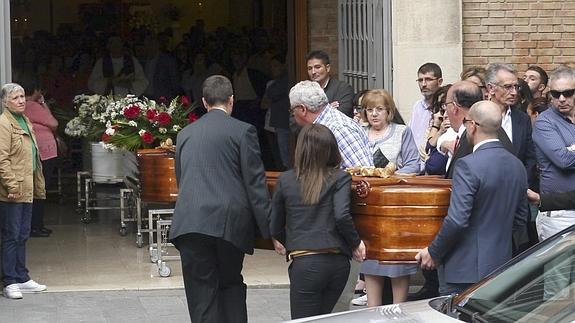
(38, 234)
(46, 230)
(423, 293)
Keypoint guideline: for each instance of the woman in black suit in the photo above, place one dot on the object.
(311, 217)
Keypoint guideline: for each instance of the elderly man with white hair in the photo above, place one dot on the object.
(309, 104)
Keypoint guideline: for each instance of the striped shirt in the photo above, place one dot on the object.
(351, 138)
(554, 137)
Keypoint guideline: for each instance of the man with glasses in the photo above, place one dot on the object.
(554, 138)
(503, 87)
(429, 79)
(488, 201)
(458, 100)
(309, 104)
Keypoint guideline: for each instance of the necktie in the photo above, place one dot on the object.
(456, 144)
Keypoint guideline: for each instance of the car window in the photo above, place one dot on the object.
(539, 287)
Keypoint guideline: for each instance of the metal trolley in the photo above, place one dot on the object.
(88, 202)
(159, 222)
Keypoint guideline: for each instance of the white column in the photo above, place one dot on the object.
(424, 31)
(5, 48)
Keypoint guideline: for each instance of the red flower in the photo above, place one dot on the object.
(105, 137)
(164, 119)
(192, 116)
(151, 114)
(148, 138)
(132, 112)
(184, 100)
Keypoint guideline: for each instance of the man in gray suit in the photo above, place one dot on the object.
(222, 197)
(475, 237)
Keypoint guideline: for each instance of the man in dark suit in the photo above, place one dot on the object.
(476, 235)
(503, 87)
(222, 196)
(458, 100)
(339, 93)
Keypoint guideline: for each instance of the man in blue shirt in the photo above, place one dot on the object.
(554, 138)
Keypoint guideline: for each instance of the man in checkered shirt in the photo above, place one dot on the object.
(309, 104)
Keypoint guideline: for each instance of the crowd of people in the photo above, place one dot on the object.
(488, 126)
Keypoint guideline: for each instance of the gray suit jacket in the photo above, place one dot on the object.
(221, 181)
(488, 200)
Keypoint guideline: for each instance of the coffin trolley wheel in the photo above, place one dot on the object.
(164, 270)
(139, 241)
(154, 256)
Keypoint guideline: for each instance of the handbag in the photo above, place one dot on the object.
(379, 159)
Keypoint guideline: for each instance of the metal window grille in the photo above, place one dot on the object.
(365, 47)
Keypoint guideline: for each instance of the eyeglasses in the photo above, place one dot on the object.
(292, 109)
(469, 120)
(426, 79)
(566, 93)
(376, 109)
(509, 87)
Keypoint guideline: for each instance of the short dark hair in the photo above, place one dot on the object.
(430, 67)
(217, 89)
(542, 73)
(466, 96)
(318, 54)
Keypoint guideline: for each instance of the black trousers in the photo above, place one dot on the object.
(316, 282)
(48, 167)
(214, 285)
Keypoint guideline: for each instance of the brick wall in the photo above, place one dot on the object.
(520, 32)
(322, 26)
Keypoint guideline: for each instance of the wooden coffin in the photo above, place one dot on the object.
(157, 176)
(395, 216)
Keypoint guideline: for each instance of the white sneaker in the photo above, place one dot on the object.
(31, 287)
(360, 301)
(12, 291)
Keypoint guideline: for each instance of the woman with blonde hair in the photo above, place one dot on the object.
(390, 142)
(311, 217)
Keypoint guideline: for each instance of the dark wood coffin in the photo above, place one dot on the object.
(157, 176)
(395, 216)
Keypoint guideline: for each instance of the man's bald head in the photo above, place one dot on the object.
(487, 116)
(466, 93)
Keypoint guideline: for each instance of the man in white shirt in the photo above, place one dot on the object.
(429, 79)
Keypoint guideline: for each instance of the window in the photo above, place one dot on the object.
(365, 46)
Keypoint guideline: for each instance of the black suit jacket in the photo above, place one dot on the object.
(558, 201)
(326, 224)
(465, 148)
(523, 142)
(341, 92)
(221, 181)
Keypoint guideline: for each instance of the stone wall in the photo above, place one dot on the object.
(520, 32)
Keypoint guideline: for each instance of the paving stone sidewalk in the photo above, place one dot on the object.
(264, 305)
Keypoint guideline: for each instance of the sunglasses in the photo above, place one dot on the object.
(558, 94)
